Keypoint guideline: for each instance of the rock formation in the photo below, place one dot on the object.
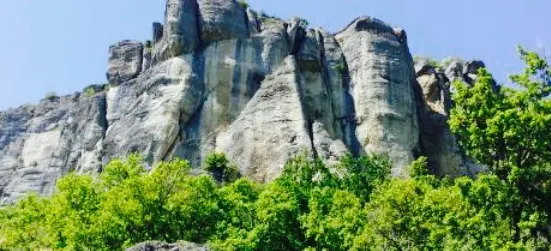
(217, 77)
(161, 246)
(433, 105)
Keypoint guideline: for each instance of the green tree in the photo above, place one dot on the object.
(23, 225)
(427, 213)
(508, 130)
(221, 168)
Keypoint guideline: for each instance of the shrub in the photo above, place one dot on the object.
(342, 68)
(51, 96)
(243, 4)
(303, 23)
(89, 91)
(220, 167)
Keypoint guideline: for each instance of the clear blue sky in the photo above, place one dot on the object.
(61, 45)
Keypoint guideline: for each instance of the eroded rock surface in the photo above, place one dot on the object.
(219, 77)
(125, 61)
(434, 92)
(162, 246)
(382, 78)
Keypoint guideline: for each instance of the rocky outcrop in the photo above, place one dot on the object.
(217, 77)
(221, 20)
(39, 144)
(434, 91)
(125, 61)
(381, 84)
(271, 129)
(161, 246)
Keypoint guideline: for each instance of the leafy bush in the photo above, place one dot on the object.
(220, 167)
(507, 130)
(51, 96)
(342, 68)
(303, 23)
(243, 4)
(438, 66)
(89, 91)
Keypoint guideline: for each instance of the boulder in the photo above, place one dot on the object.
(162, 246)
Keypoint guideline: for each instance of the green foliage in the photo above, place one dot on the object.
(342, 68)
(303, 23)
(51, 96)
(310, 205)
(89, 91)
(106, 87)
(439, 66)
(507, 129)
(123, 206)
(243, 4)
(220, 167)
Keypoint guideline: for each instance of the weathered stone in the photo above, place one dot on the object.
(147, 55)
(271, 129)
(180, 33)
(254, 24)
(296, 34)
(327, 148)
(158, 31)
(125, 61)
(382, 77)
(336, 78)
(232, 71)
(256, 88)
(144, 115)
(39, 144)
(162, 246)
(437, 142)
(221, 20)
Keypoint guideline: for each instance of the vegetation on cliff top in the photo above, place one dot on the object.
(355, 205)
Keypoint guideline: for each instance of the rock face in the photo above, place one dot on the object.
(125, 61)
(381, 85)
(161, 246)
(217, 77)
(434, 103)
(39, 144)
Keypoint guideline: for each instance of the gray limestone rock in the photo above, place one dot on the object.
(253, 23)
(327, 148)
(437, 142)
(336, 77)
(147, 55)
(125, 61)
(382, 77)
(221, 20)
(271, 129)
(232, 71)
(180, 32)
(219, 78)
(162, 246)
(39, 144)
(158, 30)
(144, 115)
(296, 34)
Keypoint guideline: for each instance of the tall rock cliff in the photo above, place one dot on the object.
(218, 77)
